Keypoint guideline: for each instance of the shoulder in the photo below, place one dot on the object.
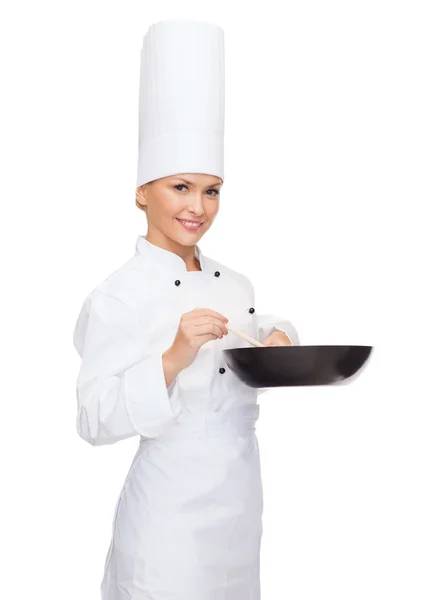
(113, 299)
(125, 285)
(119, 279)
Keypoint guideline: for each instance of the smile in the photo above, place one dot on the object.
(189, 225)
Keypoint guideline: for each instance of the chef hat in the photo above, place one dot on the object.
(181, 102)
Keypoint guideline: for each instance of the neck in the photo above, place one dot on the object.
(187, 253)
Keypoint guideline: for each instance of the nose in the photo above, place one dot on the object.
(195, 204)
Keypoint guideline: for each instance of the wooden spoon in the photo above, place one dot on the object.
(245, 337)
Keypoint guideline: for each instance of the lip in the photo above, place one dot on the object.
(193, 229)
(190, 221)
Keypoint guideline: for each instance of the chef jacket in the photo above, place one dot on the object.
(131, 318)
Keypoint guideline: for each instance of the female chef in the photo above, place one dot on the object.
(187, 524)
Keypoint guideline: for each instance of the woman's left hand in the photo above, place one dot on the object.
(277, 338)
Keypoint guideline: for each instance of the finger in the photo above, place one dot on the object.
(202, 320)
(207, 329)
(209, 311)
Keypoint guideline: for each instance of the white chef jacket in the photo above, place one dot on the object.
(131, 318)
(197, 451)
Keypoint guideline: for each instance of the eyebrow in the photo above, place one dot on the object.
(192, 183)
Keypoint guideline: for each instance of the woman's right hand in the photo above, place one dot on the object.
(195, 329)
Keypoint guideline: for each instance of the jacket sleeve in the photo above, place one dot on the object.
(266, 324)
(121, 388)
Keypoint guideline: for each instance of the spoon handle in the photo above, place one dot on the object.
(244, 336)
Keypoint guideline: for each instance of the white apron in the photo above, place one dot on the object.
(187, 524)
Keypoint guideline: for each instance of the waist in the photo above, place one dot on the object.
(240, 418)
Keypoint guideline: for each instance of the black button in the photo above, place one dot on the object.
(221, 370)
(216, 273)
(177, 282)
(251, 310)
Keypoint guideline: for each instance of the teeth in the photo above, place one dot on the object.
(193, 225)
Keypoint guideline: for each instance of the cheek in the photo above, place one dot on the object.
(212, 208)
(170, 205)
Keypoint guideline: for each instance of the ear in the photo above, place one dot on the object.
(141, 194)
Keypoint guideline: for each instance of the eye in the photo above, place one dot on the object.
(215, 191)
(179, 186)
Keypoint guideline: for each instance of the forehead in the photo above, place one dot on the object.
(195, 178)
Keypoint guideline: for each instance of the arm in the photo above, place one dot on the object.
(268, 323)
(123, 389)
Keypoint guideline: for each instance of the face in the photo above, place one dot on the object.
(182, 197)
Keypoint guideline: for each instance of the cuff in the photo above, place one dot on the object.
(267, 323)
(152, 406)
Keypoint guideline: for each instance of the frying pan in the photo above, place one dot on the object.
(276, 366)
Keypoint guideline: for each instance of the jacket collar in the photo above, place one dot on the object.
(165, 257)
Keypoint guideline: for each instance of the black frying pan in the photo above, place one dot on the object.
(275, 366)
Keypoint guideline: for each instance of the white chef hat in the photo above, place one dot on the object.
(182, 100)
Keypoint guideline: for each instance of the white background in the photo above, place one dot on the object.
(320, 209)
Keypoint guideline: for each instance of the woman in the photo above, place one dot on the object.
(187, 525)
